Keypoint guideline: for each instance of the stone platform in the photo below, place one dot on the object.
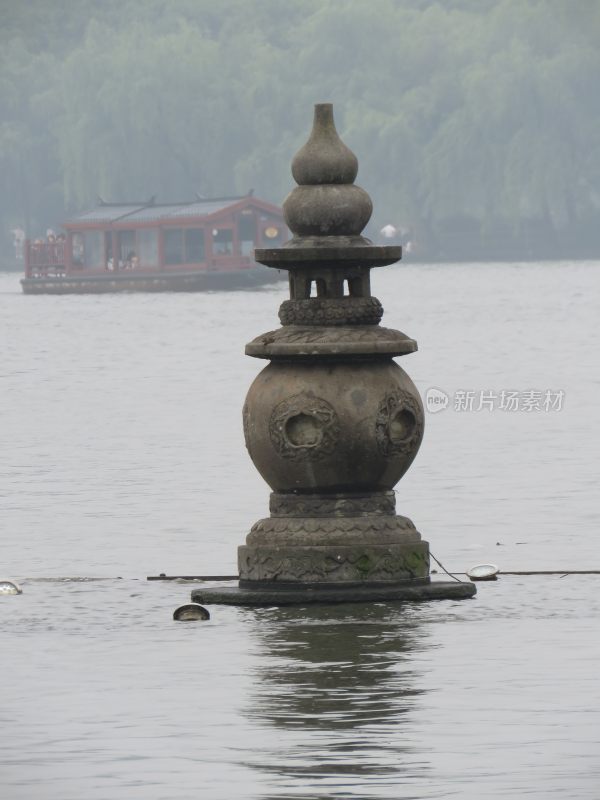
(282, 596)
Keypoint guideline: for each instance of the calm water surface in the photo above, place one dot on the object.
(123, 457)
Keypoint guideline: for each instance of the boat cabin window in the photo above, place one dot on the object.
(77, 250)
(184, 246)
(246, 232)
(108, 250)
(222, 242)
(126, 246)
(88, 249)
(194, 245)
(147, 247)
(174, 249)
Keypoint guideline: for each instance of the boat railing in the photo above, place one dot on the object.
(45, 258)
(225, 263)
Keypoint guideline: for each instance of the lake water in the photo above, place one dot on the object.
(123, 457)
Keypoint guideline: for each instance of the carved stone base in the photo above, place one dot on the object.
(334, 539)
(356, 563)
(332, 531)
(279, 596)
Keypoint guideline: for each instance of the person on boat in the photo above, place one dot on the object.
(77, 250)
(19, 242)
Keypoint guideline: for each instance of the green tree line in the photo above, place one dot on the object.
(475, 121)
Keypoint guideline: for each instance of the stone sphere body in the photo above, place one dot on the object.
(329, 210)
(333, 427)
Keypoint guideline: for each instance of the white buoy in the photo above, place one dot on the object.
(483, 572)
(8, 587)
(190, 612)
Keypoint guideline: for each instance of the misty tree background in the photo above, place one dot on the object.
(476, 122)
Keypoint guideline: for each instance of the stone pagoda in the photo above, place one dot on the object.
(332, 422)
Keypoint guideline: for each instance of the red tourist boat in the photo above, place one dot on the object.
(151, 247)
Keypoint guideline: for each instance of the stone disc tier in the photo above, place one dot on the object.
(324, 342)
(341, 251)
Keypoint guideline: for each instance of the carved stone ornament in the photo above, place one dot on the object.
(328, 311)
(399, 424)
(369, 564)
(323, 525)
(304, 427)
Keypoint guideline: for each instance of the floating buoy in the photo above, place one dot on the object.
(190, 612)
(8, 587)
(483, 572)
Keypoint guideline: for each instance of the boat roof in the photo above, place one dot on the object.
(150, 211)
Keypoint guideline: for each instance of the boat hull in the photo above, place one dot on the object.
(152, 282)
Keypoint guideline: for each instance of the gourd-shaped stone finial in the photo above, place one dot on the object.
(326, 202)
(324, 158)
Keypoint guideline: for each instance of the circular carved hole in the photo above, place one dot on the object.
(303, 430)
(402, 425)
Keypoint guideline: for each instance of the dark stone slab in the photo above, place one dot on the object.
(318, 342)
(337, 252)
(237, 596)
